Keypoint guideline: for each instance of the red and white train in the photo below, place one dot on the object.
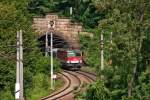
(71, 59)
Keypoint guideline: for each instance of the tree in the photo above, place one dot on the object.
(83, 10)
(14, 16)
(128, 20)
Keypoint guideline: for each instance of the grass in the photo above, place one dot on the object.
(88, 69)
(41, 87)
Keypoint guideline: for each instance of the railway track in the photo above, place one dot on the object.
(68, 83)
(90, 76)
(73, 81)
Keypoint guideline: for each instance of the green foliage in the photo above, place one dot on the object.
(88, 45)
(40, 7)
(57, 65)
(128, 20)
(83, 10)
(14, 16)
(142, 90)
(7, 62)
(101, 91)
(97, 91)
(6, 95)
(40, 87)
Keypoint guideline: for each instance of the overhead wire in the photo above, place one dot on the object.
(58, 41)
(11, 57)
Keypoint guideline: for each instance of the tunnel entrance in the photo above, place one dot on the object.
(58, 42)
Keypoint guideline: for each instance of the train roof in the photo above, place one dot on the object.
(69, 50)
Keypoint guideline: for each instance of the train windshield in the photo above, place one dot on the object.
(73, 54)
(78, 54)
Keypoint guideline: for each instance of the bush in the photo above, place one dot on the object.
(40, 87)
(97, 91)
(6, 95)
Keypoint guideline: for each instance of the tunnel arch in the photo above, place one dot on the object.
(58, 41)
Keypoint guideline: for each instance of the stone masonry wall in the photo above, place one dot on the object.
(63, 27)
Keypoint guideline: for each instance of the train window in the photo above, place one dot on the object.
(78, 54)
(74, 53)
(71, 54)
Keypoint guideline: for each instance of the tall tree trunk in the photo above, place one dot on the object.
(130, 83)
(140, 41)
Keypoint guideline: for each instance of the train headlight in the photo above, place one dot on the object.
(80, 61)
(68, 61)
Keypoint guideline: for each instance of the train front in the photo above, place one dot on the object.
(74, 59)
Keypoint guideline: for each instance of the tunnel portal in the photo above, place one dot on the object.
(58, 42)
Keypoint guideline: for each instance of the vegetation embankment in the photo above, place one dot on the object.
(15, 16)
(127, 77)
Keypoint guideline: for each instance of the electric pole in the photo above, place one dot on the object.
(46, 45)
(19, 68)
(51, 25)
(52, 87)
(70, 11)
(17, 85)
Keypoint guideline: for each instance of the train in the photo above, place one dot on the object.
(71, 59)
